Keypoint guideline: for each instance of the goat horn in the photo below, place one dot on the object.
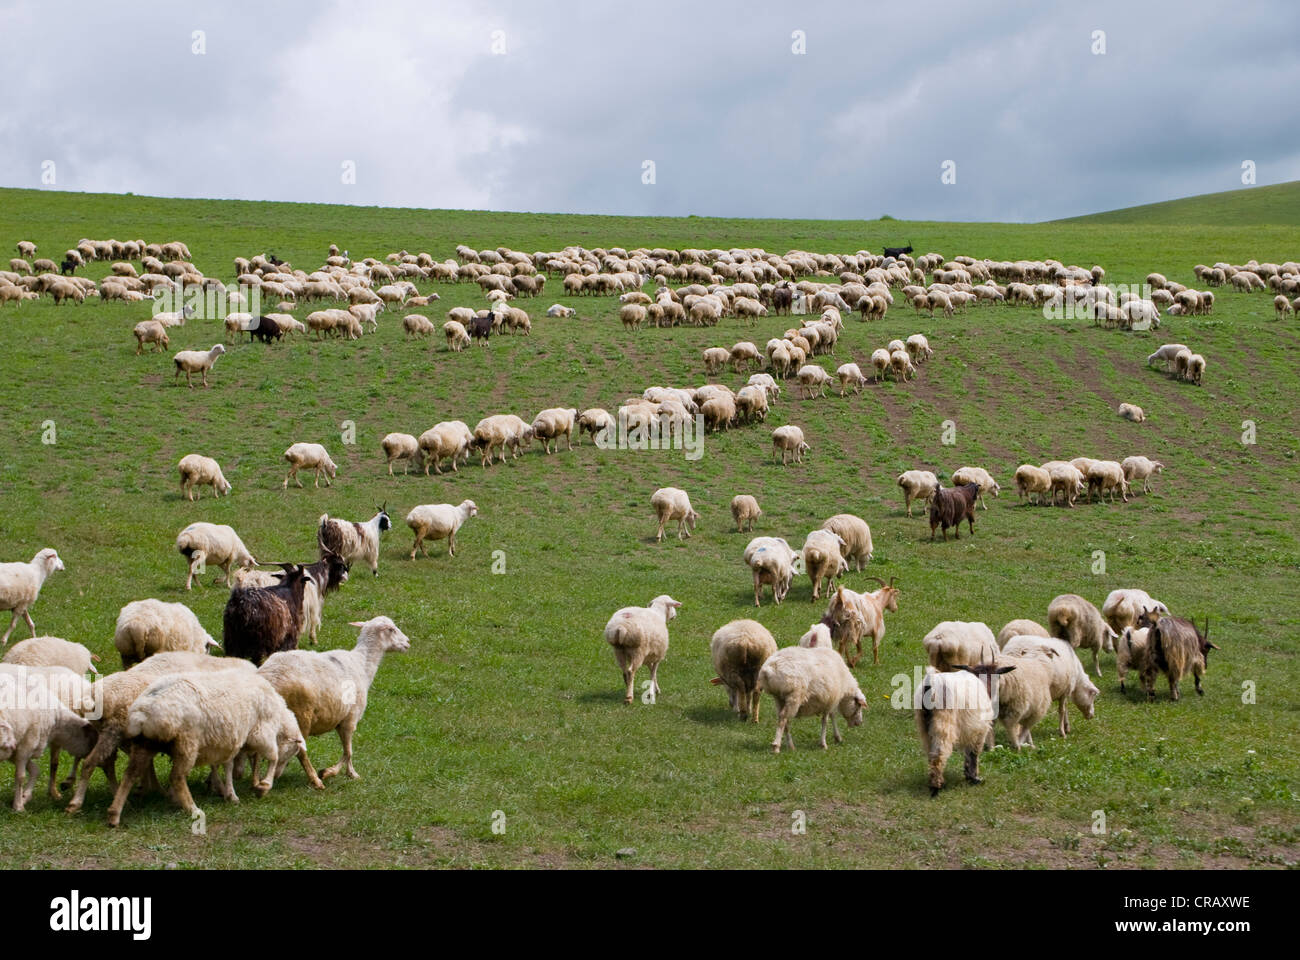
(879, 581)
(891, 580)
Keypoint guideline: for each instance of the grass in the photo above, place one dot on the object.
(1276, 204)
(509, 699)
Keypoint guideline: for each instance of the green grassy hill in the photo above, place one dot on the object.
(509, 699)
(1249, 206)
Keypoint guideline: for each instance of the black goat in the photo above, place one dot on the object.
(68, 267)
(950, 507)
(480, 328)
(265, 329)
(260, 621)
(897, 252)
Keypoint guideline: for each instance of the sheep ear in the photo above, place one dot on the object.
(356, 623)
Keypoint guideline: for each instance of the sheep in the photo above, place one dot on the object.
(918, 348)
(901, 365)
(309, 456)
(400, 446)
(823, 559)
(1107, 476)
(552, 424)
(1075, 620)
(948, 508)
(1022, 689)
(353, 542)
(1173, 647)
(809, 682)
(767, 382)
(196, 361)
(146, 628)
(20, 585)
(917, 485)
(744, 510)
(856, 535)
(1182, 364)
(150, 331)
(26, 248)
(1021, 628)
(1069, 681)
(813, 379)
(437, 521)
(789, 440)
(850, 374)
(772, 562)
(211, 543)
(53, 652)
(671, 504)
(954, 643)
(751, 403)
(503, 431)
(1032, 481)
(639, 635)
(450, 439)
(419, 326)
(632, 315)
(33, 717)
(718, 412)
(1141, 468)
(206, 719)
(1122, 608)
(599, 423)
(852, 615)
(556, 310)
(980, 476)
(196, 470)
(1195, 368)
(328, 691)
(1166, 354)
(739, 649)
(1066, 479)
(715, 358)
(744, 353)
(1130, 652)
(953, 711)
(1132, 412)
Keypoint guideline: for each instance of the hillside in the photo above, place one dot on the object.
(1277, 204)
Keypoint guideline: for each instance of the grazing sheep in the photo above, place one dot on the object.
(772, 561)
(1107, 476)
(450, 439)
(309, 456)
(977, 475)
(1124, 607)
(1173, 647)
(856, 535)
(146, 628)
(1066, 479)
(33, 716)
(917, 485)
(1195, 368)
(1022, 689)
(419, 327)
(851, 616)
(504, 431)
(948, 508)
(1069, 681)
(789, 440)
(599, 423)
(1130, 652)
(954, 643)
(953, 711)
(715, 358)
(813, 379)
(901, 365)
(671, 504)
(1032, 481)
(212, 543)
(1131, 411)
(850, 374)
(53, 652)
(739, 649)
(639, 635)
(328, 691)
(554, 423)
(744, 510)
(437, 521)
(353, 542)
(1021, 628)
(1166, 354)
(400, 446)
(150, 331)
(823, 559)
(810, 682)
(918, 347)
(1075, 620)
(632, 315)
(200, 471)
(206, 719)
(196, 361)
(457, 336)
(1141, 468)
(20, 585)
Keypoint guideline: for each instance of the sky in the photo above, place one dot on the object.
(1000, 111)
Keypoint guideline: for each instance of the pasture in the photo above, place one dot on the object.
(508, 709)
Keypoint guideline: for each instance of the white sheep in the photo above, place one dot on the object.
(901, 365)
(196, 361)
(1195, 368)
(212, 543)
(1132, 412)
(980, 476)
(1066, 479)
(671, 504)
(1141, 468)
(556, 310)
(953, 712)
(33, 716)
(850, 375)
(789, 440)
(1022, 690)
(504, 431)
(739, 649)
(309, 456)
(823, 559)
(1021, 628)
(744, 510)
(772, 561)
(419, 326)
(955, 643)
(20, 585)
(880, 361)
(554, 423)
(200, 471)
(456, 334)
(1107, 476)
(917, 485)
(596, 421)
(1166, 354)
(1075, 620)
(400, 446)
(810, 682)
(639, 635)
(1123, 607)
(1032, 481)
(856, 535)
(53, 652)
(918, 347)
(813, 379)
(149, 627)
(437, 521)
(328, 691)
(449, 439)
(1069, 684)
(150, 331)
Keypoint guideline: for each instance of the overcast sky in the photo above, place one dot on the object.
(563, 113)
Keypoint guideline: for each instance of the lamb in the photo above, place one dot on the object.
(744, 510)
(789, 440)
(813, 379)
(1132, 412)
(1021, 628)
(639, 635)
(1107, 476)
(146, 628)
(851, 615)
(20, 585)
(1166, 354)
(206, 719)
(150, 331)
(809, 682)
(400, 446)
(215, 543)
(309, 456)
(53, 652)
(850, 374)
(597, 422)
(671, 504)
(1032, 481)
(955, 643)
(1069, 681)
(1022, 687)
(739, 649)
(917, 485)
(353, 542)
(554, 423)
(438, 521)
(33, 717)
(773, 562)
(948, 508)
(328, 691)
(503, 431)
(1141, 468)
(980, 476)
(953, 711)
(1074, 619)
(196, 361)
(1174, 646)
(197, 470)
(823, 559)
(450, 439)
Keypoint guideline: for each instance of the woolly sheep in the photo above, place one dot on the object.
(1124, 607)
(715, 358)
(823, 559)
(809, 682)
(437, 521)
(739, 649)
(751, 403)
(212, 543)
(953, 712)
(880, 361)
(419, 326)
(597, 422)
(744, 510)
(328, 691)
(554, 423)
(53, 652)
(20, 585)
(856, 535)
(1195, 368)
(772, 562)
(671, 504)
(850, 374)
(1107, 476)
(1130, 652)
(1141, 468)
(789, 440)
(1166, 354)
(917, 485)
(1075, 620)
(955, 643)
(504, 431)
(149, 627)
(400, 446)
(1022, 687)
(1069, 681)
(1131, 411)
(639, 635)
(918, 347)
(1066, 479)
(309, 456)
(1032, 481)
(196, 361)
(1021, 628)
(977, 475)
(448, 439)
(199, 471)
(150, 331)
(32, 718)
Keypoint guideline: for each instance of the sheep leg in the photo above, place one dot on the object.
(939, 754)
(628, 675)
(20, 760)
(972, 767)
(345, 736)
(104, 755)
(53, 790)
(140, 758)
(654, 679)
(451, 544)
(1064, 719)
(835, 728)
(5, 639)
(1096, 662)
(758, 589)
(180, 788)
(309, 770)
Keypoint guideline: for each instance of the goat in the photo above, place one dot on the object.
(1173, 647)
(852, 615)
(260, 621)
(480, 328)
(264, 329)
(354, 541)
(897, 252)
(949, 507)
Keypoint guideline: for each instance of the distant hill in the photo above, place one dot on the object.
(1278, 204)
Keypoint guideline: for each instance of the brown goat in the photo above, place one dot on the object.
(1174, 646)
(948, 508)
(851, 616)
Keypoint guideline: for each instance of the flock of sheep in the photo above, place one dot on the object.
(261, 701)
